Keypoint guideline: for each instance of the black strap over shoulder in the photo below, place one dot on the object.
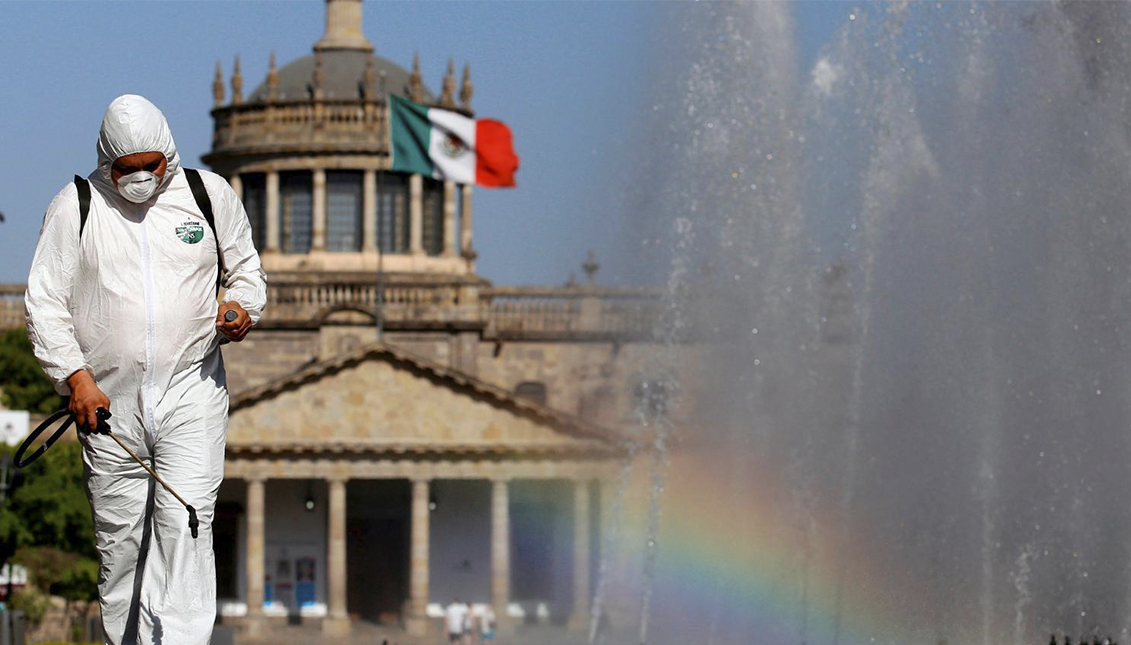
(199, 193)
(204, 203)
(83, 187)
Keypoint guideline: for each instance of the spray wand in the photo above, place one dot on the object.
(103, 427)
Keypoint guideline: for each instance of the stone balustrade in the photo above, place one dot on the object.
(501, 312)
(541, 312)
(344, 125)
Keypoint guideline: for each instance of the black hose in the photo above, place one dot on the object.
(21, 461)
(103, 428)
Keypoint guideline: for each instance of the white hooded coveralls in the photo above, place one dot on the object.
(134, 302)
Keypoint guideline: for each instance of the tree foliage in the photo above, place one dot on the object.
(45, 521)
(60, 573)
(24, 384)
(46, 525)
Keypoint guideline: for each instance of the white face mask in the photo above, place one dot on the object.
(139, 186)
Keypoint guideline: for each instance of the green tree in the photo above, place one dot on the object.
(51, 502)
(46, 525)
(25, 385)
(60, 573)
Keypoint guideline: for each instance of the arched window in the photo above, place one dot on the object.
(531, 391)
(343, 211)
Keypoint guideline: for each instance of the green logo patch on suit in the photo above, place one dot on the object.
(190, 232)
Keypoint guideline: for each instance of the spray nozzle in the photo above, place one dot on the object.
(193, 523)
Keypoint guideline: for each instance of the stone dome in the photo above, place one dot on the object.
(344, 78)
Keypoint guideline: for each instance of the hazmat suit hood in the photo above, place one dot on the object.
(131, 125)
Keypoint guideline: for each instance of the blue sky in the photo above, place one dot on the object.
(567, 77)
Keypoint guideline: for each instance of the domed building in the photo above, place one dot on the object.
(308, 150)
(403, 432)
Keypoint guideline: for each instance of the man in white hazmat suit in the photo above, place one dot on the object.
(123, 314)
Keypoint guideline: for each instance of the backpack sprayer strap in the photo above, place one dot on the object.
(204, 203)
(83, 187)
(199, 194)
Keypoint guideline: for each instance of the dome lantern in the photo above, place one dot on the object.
(343, 27)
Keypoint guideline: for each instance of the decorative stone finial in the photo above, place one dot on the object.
(369, 81)
(319, 75)
(272, 79)
(591, 267)
(448, 87)
(343, 27)
(218, 87)
(237, 83)
(415, 80)
(466, 88)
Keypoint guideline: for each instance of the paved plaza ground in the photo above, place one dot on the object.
(370, 634)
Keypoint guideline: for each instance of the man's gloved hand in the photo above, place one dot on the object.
(233, 330)
(86, 398)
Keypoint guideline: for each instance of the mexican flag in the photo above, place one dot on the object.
(448, 145)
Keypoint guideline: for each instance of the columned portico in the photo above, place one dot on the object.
(318, 237)
(237, 185)
(272, 202)
(482, 453)
(337, 622)
(255, 554)
(369, 211)
(416, 215)
(500, 553)
(449, 218)
(579, 619)
(417, 623)
(465, 220)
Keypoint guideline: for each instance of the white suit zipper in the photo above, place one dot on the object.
(150, 331)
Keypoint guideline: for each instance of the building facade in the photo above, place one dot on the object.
(403, 432)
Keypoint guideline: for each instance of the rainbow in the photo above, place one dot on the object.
(730, 569)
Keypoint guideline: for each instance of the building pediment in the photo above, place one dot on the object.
(379, 399)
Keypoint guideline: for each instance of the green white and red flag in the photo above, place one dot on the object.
(447, 145)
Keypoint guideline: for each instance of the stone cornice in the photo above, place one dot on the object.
(263, 468)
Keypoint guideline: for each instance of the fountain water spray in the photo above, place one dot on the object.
(959, 450)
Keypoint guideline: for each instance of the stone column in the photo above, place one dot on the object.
(500, 554)
(416, 215)
(337, 621)
(417, 623)
(579, 619)
(236, 182)
(616, 609)
(255, 555)
(318, 237)
(369, 211)
(272, 212)
(465, 219)
(449, 218)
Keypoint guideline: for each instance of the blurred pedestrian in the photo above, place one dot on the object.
(487, 624)
(455, 619)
